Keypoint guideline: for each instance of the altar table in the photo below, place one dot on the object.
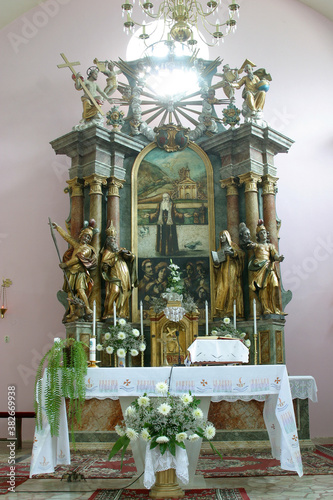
(269, 383)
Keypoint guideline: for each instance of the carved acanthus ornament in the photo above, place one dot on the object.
(114, 186)
(95, 182)
(232, 186)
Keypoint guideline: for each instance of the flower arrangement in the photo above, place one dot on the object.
(163, 420)
(121, 339)
(175, 282)
(226, 329)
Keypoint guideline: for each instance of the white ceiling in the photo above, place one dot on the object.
(11, 9)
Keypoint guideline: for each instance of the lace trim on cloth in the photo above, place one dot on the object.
(155, 462)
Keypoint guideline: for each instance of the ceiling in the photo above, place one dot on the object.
(12, 9)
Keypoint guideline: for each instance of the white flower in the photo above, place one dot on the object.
(122, 322)
(226, 321)
(134, 352)
(174, 266)
(107, 336)
(135, 332)
(181, 437)
(161, 387)
(213, 332)
(143, 401)
(121, 353)
(142, 347)
(176, 278)
(162, 439)
(242, 335)
(109, 349)
(99, 347)
(193, 437)
(209, 432)
(228, 336)
(130, 411)
(121, 335)
(197, 413)
(131, 434)
(119, 430)
(145, 435)
(247, 343)
(186, 399)
(164, 409)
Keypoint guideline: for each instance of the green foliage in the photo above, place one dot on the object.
(65, 377)
(227, 330)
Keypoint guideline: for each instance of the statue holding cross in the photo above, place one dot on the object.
(93, 95)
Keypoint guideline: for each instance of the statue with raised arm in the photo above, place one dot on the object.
(264, 278)
(119, 272)
(78, 262)
(256, 84)
(91, 112)
(228, 262)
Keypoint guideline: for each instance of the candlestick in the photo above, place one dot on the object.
(255, 334)
(94, 319)
(234, 314)
(114, 314)
(92, 349)
(142, 335)
(206, 317)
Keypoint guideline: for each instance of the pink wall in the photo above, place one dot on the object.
(39, 104)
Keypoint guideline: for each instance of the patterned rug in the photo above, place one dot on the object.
(95, 465)
(205, 494)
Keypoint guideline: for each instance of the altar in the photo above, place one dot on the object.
(212, 383)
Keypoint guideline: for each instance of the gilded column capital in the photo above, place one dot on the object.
(231, 184)
(95, 182)
(251, 181)
(269, 184)
(75, 186)
(114, 186)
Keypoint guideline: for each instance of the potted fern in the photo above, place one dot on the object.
(66, 368)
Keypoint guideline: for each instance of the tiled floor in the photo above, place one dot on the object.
(260, 488)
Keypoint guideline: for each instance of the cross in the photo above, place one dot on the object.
(70, 66)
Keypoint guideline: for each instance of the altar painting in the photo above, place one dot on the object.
(173, 222)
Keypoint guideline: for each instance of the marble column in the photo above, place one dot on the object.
(250, 180)
(269, 208)
(112, 210)
(232, 207)
(77, 205)
(96, 182)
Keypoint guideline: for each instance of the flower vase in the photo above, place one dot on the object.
(166, 485)
(121, 362)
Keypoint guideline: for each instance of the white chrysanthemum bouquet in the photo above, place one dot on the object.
(163, 420)
(121, 339)
(227, 330)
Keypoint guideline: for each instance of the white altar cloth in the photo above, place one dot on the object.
(206, 349)
(261, 382)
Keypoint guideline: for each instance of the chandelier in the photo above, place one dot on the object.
(183, 19)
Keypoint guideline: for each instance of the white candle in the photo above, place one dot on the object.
(206, 317)
(114, 314)
(234, 314)
(92, 349)
(94, 319)
(141, 317)
(255, 316)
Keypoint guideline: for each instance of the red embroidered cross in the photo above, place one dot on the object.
(127, 382)
(295, 438)
(203, 382)
(277, 380)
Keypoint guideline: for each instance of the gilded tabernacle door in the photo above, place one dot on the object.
(172, 218)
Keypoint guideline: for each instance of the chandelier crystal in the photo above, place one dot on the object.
(181, 17)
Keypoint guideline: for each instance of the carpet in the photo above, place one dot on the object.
(205, 494)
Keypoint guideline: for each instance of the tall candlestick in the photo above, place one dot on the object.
(206, 317)
(141, 317)
(255, 334)
(114, 314)
(94, 319)
(234, 314)
(92, 349)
